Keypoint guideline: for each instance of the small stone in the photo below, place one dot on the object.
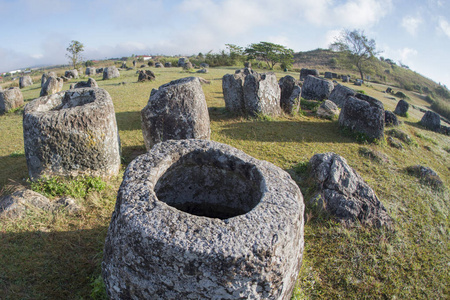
(17, 203)
(426, 175)
(402, 108)
(395, 143)
(84, 84)
(328, 110)
(110, 72)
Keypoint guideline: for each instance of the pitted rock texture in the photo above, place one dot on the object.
(363, 114)
(290, 94)
(10, 99)
(345, 78)
(176, 111)
(45, 76)
(432, 121)
(328, 75)
(426, 175)
(17, 203)
(71, 74)
(90, 71)
(315, 88)
(340, 93)
(71, 133)
(110, 72)
(402, 108)
(250, 93)
(196, 219)
(390, 119)
(25, 81)
(84, 84)
(160, 65)
(328, 110)
(305, 72)
(346, 195)
(52, 86)
(146, 75)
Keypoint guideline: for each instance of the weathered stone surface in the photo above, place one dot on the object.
(202, 220)
(247, 92)
(346, 195)
(204, 65)
(51, 86)
(401, 135)
(394, 142)
(315, 88)
(328, 75)
(432, 121)
(146, 75)
(91, 71)
(290, 94)
(71, 74)
(70, 205)
(202, 71)
(363, 114)
(426, 175)
(110, 72)
(340, 93)
(187, 66)
(177, 110)
(10, 99)
(390, 119)
(262, 94)
(45, 76)
(402, 108)
(328, 110)
(182, 61)
(71, 133)
(84, 84)
(17, 203)
(99, 70)
(159, 65)
(168, 64)
(345, 78)
(25, 81)
(305, 72)
(247, 64)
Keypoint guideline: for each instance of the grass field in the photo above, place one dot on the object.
(57, 255)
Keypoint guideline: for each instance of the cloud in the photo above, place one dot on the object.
(444, 26)
(360, 13)
(406, 53)
(411, 24)
(330, 36)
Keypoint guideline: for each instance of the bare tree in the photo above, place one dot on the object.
(75, 48)
(357, 47)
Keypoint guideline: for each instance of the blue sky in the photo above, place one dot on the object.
(416, 33)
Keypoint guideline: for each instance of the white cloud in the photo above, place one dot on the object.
(444, 26)
(360, 13)
(411, 24)
(406, 53)
(330, 37)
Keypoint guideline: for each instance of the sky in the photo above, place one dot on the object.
(415, 33)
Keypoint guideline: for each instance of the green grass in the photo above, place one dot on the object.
(57, 255)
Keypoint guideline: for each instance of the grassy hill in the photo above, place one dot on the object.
(57, 255)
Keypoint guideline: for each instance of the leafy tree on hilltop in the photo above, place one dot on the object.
(271, 54)
(75, 48)
(357, 47)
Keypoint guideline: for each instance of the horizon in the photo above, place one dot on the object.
(413, 33)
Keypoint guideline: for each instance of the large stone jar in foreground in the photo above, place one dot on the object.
(176, 111)
(71, 133)
(197, 219)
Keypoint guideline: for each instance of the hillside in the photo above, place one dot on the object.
(57, 255)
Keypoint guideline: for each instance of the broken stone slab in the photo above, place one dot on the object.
(345, 194)
(290, 94)
(17, 203)
(71, 74)
(71, 133)
(363, 114)
(426, 175)
(52, 86)
(328, 110)
(315, 88)
(85, 84)
(146, 75)
(177, 110)
(10, 99)
(197, 219)
(46, 75)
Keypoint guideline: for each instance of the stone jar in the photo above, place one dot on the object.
(71, 133)
(197, 219)
(177, 110)
(10, 99)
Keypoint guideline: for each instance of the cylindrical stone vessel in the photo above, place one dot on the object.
(71, 133)
(176, 110)
(196, 219)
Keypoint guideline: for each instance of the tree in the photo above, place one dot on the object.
(75, 48)
(270, 53)
(357, 47)
(236, 53)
